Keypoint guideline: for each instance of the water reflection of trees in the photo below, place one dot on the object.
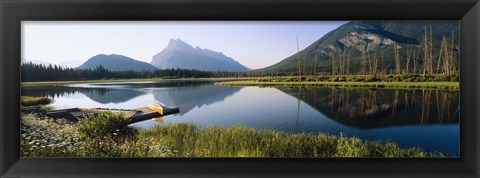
(60, 91)
(100, 95)
(117, 92)
(183, 93)
(371, 108)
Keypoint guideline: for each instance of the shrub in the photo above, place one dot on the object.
(105, 124)
(311, 79)
(371, 79)
(454, 78)
(322, 78)
(333, 79)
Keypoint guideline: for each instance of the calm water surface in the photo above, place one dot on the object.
(428, 119)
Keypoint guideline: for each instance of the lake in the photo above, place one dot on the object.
(428, 119)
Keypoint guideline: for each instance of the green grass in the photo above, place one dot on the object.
(404, 85)
(34, 101)
(95, 137)
(240, 141)
(412, 81)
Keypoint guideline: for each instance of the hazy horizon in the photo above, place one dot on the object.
(255, 44)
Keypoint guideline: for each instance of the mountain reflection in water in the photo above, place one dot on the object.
(370, 108)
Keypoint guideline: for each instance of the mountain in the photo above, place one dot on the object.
(116, 62)
(369, 36)
(71, 63)
(179, 54)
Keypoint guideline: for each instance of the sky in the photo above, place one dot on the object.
(255, 44)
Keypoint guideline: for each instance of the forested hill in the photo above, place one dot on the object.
(116, 62)
(355, 38)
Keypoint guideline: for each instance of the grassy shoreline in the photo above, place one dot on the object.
(447, 82)
(404, 85)
(34, 101)
(106, 135)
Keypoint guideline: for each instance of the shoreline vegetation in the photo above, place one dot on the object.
(34, 101)
(108, 135)
(387, 85)
(446, 82)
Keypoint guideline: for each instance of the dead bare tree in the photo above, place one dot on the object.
(363, 68)
(431, 51)
(397, 59)
(370, 69)
(382, 64)
(333, 65)
(414, 61)
(445, 60)
(375, 64)
(339, 63)
(425, 52)
(348, 63)
(305, 65)
(344, 62)
(299, 65)
(315, 63)
(315, 66)
(408, 61)
(453, 66)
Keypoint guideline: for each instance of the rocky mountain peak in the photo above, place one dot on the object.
(178, 44)
(179, 54)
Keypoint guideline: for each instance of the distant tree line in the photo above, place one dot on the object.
(31, 72)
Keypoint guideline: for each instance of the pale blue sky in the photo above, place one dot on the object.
(255, 44)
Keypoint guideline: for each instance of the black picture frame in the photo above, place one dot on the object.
(12, 12)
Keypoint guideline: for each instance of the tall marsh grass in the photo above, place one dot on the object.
(239, 141)
(402, 85)
(411, 81)
(93, 136)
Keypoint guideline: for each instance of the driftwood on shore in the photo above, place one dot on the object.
(72, 114)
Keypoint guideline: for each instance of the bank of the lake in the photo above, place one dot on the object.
(34, 101)
(107, 135)
(449, 82)
(410, 81)
(405, 85)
